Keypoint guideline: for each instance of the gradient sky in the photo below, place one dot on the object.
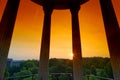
(27, 34)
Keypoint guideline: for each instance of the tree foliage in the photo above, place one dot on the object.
(95, 66)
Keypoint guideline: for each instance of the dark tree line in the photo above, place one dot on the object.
(96, 66)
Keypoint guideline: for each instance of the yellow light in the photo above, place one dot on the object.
(71, 55)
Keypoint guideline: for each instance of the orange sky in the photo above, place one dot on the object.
(28, 31)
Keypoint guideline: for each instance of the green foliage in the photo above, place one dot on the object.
(29, 78)
(7, 74)
(108, 70)
(34, 70)
(26, 68)
(101, 72)
(60, 65)
(93, 69)
(13, 69)
(95, 66)
(93, 78)
(50, 78)
(63, 77)
(23, 73)
(29, 64)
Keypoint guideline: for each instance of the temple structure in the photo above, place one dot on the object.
(48, 6)
(111, 27)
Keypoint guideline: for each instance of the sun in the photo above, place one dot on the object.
(71, 55)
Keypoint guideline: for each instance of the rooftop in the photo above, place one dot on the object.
(60, 4)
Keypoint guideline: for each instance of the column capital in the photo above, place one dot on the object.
(74, 7)
(48, 7)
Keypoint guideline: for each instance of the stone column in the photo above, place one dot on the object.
(113, 35)
(45, 45)
(6, 30)
(76, 42)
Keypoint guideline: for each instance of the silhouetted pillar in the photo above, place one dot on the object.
(113, 35)
(76, 43)
(45, 45)
(6, 30)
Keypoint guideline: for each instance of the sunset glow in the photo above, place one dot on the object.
(27, 34)
(71, 55)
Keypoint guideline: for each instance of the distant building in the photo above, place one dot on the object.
(11, 62)
(16, 62)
